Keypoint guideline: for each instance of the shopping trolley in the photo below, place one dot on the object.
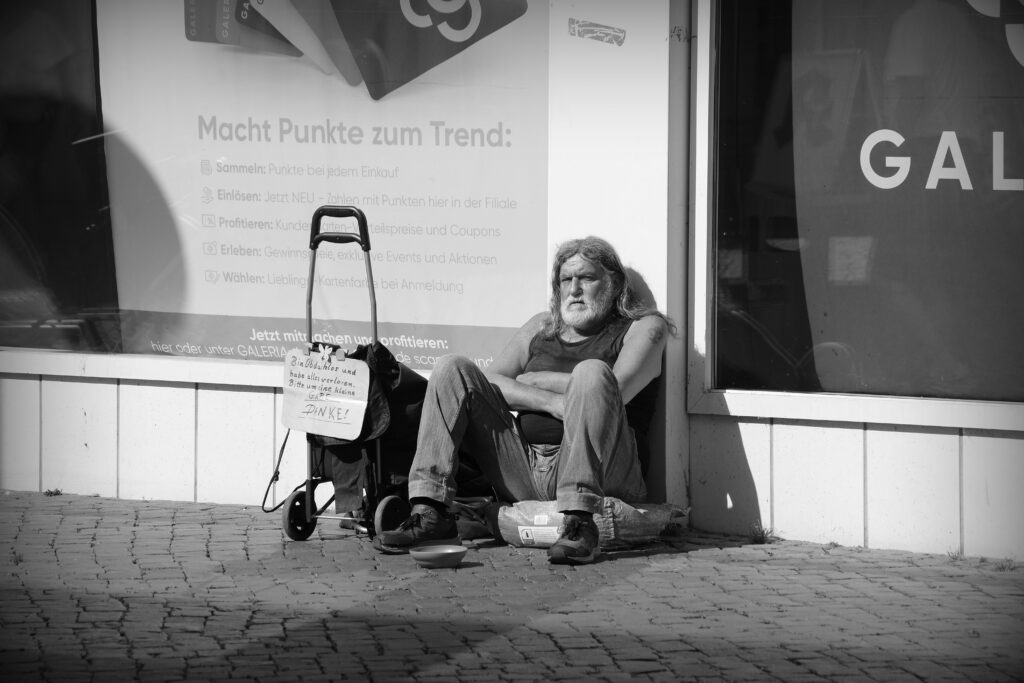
(389, 400)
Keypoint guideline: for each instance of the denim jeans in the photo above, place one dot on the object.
(464, 411)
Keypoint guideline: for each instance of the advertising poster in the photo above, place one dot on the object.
(228, 123)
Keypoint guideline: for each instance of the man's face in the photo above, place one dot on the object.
(586, 292)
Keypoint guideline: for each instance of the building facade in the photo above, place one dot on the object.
(825, 197)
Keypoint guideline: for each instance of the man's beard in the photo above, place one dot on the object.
(590, 316)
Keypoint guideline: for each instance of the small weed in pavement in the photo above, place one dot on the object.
(759, 534)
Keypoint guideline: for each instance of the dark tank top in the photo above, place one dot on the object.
(555, 355)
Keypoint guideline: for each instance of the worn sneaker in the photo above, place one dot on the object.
(579, 542)
(425, 526)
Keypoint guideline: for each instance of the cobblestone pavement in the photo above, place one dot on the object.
(96, 589)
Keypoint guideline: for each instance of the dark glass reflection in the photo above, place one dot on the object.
(870, 198)
(58, 286)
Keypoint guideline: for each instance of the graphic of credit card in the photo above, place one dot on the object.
(394, 41)
(320, 18)
(233, 22)
(255, 31)
(384, 43)
(201, 21)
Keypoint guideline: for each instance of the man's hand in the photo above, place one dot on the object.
(518, 388)
(520, 396)
(547, 380)
(554, 383)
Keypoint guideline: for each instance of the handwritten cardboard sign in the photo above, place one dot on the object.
(325, 394)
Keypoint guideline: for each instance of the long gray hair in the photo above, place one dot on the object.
(627, 304)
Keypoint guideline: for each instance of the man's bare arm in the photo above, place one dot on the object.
(508, 367)
(642, 346)
(640, 359)
(638, 363)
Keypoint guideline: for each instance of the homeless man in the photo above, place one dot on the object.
(554, 417)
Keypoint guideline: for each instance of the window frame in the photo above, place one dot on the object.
(702, 398)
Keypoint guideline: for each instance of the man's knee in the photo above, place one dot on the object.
(453, 365)
(450, 364)
(592, 375)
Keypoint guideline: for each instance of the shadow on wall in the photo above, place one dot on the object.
(59, 258)
(655, 463)
(641, 288)
(146, 239)
(723, 492)
(720, 486)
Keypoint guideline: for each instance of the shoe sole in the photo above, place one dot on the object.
(559, 558)
(404, 549)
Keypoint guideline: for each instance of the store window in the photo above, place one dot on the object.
(58, 287)
(869, 197)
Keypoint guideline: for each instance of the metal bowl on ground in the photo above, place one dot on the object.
(438, 556)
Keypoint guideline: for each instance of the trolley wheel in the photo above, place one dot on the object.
(294, 517)
(391, 512)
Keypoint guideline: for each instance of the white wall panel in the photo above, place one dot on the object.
(293, 466)
(730, 474)
(993, 464)
(157, 441)
(817, 488)
(78, 442)
(19, 432)
(819, 482)
(608, 133)
(234, 444)
(913, 488)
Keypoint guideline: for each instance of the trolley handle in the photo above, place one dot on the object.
(316, 237)
(362, 239)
